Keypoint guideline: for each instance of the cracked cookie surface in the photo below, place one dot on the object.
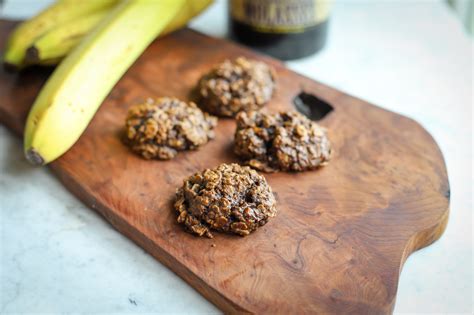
(158, 129)
(286, 141)
(233, 86)
(229, 198)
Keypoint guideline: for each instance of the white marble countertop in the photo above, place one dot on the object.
(56, 255)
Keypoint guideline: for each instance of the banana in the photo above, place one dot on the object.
(193, 8)
(74, 92)
(59, 12)
(58, 42)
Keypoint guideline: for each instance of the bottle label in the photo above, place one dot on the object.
(280, 16)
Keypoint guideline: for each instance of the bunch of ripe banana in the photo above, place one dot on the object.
(95, 41)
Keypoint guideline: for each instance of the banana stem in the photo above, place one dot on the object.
(34, 157)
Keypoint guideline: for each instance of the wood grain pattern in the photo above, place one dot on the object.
(342, 233)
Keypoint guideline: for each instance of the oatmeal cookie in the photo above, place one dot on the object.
(286, 141)
(229, 198)
(159, 128)
(235, 86)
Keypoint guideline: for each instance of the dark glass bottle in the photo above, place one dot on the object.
(285, 29)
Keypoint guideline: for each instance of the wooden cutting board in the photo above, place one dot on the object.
(342, 233)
